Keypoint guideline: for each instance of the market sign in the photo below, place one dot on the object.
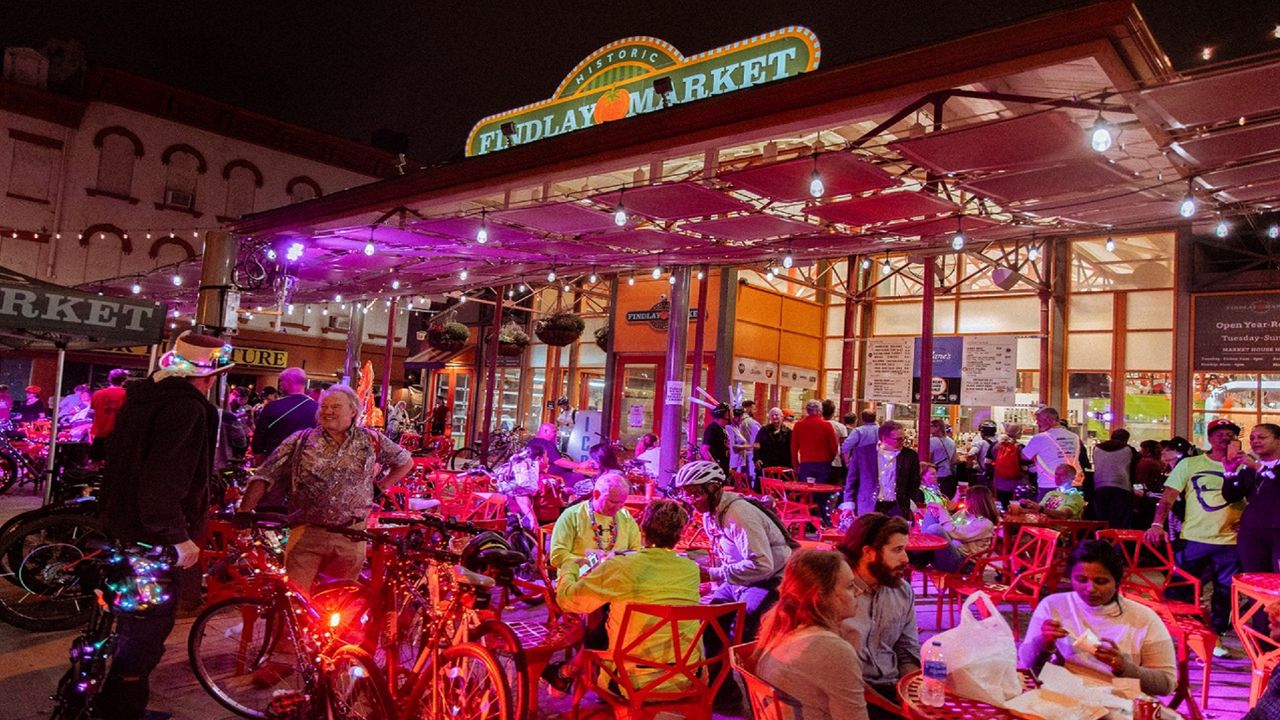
(54, 309)
(260, 358)
(657, 316)
(980, 370)
(617, 81)
(1236, 332)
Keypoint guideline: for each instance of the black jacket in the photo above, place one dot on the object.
(155, 488)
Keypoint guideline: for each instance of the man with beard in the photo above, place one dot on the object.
(883, 629)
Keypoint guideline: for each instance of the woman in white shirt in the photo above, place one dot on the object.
(800, 650)
(1094, 632)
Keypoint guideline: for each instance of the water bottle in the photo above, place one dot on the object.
(933, 692)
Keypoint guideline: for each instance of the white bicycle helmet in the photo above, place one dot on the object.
(699, 472)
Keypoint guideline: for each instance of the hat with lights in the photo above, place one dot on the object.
(195, 356)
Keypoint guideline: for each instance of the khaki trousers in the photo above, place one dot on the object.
(315, 552)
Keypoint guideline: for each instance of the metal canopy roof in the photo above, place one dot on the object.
(725, 181)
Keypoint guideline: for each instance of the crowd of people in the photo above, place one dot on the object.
(835, 630)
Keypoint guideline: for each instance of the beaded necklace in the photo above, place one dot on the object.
(598, 532)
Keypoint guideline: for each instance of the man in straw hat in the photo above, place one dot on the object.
(155, 490)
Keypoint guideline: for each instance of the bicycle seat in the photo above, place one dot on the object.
(501, 557)
(463, 575)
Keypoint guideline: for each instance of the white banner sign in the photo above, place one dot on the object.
(989, 375)
(797, 377)
(752, 370)
(674, 394)
(888, 369)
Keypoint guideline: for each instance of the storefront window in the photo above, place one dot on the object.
(639, 388)
(1147, 405)
(1245, 399)
(537, 397)
(1089, 403)
(508, 398)
(1138, 262)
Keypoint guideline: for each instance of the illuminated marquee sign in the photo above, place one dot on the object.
(617, 81)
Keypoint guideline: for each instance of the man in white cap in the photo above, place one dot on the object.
(155, 490)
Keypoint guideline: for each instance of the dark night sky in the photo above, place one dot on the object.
(429, 69)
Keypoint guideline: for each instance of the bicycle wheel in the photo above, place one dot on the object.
(8, 471)
(464, 458)
(500, 640)
(357, 690)
(242, 652)
(466, 685)
(41, 584)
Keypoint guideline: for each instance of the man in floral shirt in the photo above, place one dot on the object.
(331, 471)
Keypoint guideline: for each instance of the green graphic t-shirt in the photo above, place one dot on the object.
(1210, 519)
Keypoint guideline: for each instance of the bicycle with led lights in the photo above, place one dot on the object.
(127, 580)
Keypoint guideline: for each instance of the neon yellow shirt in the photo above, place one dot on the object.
(579, 529)
(651, 575)
(1209, 518)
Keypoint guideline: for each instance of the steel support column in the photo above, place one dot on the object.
(355, 338)
(926, 358)
(699, 331)
(849, 344)
(673, 399)
(1184, 247)
(728, 312)
(492, 371)
(386, 357)
(607, 430)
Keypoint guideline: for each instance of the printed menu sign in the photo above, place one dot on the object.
(989, 375)
(1236, 332)
(888, 370)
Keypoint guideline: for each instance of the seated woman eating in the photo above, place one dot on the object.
(800, 650)
(654, 574)
(970, 530)
(1094, 632)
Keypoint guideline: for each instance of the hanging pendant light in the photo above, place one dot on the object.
(817, 188)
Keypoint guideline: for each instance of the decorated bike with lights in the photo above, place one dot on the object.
(284, 655)
(128, 580)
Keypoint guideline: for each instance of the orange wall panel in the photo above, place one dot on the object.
(759, 306)
(756, 341)
(636, 337)
(800, 350)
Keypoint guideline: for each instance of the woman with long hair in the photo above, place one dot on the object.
(1093, 632)
(801, 651)
(971, 530)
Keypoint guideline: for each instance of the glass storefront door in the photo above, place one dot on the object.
(453, 388)
(638, 395)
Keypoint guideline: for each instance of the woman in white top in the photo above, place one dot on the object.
(971, 530)
(1094, 632)
(800, 650)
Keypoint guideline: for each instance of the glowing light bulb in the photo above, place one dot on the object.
(657, 272)
(551, 276)
(369, 249)
(671, 280)
(1110, 244)
(885, 267)
(788, 261)
(1273, 232)
(631, 279)
(620, 216)
(773, 271)
(295, 251)
(1206, 53)
(866, 263)
(462, 299)
(567, 288)
(395, 284)
(289, 308)
(593, 278)
(701, 275)
(816, 187)
(271, 254)
(1033, 254)
(462, 274)
(1188, 206)
(1222, 229)
(482, 235)
(957, 242)
(135, 288)
(522, 288)
(177, 280)
(1101, 135)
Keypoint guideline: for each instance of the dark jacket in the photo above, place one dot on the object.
(155, 488)
(1260, 489)
(279, 419)
(863, 480)
(775, 446)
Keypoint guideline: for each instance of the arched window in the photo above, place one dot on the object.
(185, 164)
(302, 188)
(243, 179)
(118, 150)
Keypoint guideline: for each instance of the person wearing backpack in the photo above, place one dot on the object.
(1006, 465)
(981, 454)
(751, 548)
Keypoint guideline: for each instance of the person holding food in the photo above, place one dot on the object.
(1094, 632)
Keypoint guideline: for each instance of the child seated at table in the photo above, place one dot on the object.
(1064, 503)
(1094, 632)
(970, 530)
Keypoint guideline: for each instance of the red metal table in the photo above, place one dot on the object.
(954, 708)
(1251, 593)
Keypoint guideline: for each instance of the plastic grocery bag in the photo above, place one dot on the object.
(982, 660)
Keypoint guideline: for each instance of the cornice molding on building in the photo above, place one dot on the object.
(41, 104)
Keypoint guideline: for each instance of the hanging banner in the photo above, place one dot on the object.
(989, 375)
(797, 377)
(752, 370)
(34, 306)
(638, 75)
(888, 370)
(948, 359)
(1238, 332)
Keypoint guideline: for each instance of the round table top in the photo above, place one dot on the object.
(808, 487)
(922, 541)
(1268, 583)
(954, 707)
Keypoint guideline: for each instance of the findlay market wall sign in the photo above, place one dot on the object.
(617, 81)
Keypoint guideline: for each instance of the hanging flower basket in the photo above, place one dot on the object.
(602, 337)
(559, 329)
(512, 340)
(449, 337)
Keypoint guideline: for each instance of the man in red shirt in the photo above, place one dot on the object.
(105, 404)
(813, 447)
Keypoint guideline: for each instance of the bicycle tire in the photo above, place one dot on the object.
(80, 506)
(500, 640)
(41, 587)
(9, 472)
(464, 458)
(91, 656)
(356, 688)
(243, 674)
(471, 683)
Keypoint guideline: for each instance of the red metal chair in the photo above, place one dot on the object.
(767, 701)
(1190, 634)
(642, 680)
(1026, 570)
(1150, 571)
(794, 515)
